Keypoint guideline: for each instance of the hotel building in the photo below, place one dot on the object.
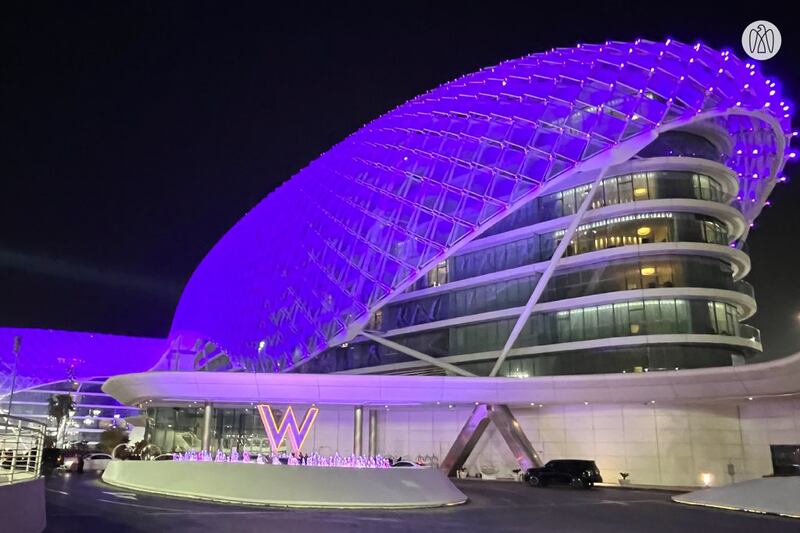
(558, 241)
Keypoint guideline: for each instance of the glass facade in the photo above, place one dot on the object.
(642, 228)
(677, 143)
(481, 337)
(639, 273)
(638, 186)
(310, 265)
(180, 429)
(661, 316)
(645, 358)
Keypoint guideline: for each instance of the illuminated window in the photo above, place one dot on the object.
(438, 275)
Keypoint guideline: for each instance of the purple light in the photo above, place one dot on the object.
(312, 460)
(51, 355)
(288, 427)
(305, 269)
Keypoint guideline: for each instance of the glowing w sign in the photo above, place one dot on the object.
(287, 428)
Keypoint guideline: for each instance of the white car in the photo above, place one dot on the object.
(93, 462)
(405, 464)
(96, 461)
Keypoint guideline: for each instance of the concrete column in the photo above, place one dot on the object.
(357, 423)
(207, 412)
(373, 432)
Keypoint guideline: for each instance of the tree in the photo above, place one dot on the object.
(111, 438)
(60, 407)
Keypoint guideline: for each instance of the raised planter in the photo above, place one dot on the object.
(772, 495)
(288, 486)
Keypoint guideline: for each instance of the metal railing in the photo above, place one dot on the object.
(749, 332)
(21, 449)
(745, 288)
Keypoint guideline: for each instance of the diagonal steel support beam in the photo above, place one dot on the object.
(466, 440)
(470, 434)
(417, 354)
(515, 438)
(548, 273)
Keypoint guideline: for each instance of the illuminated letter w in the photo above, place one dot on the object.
(277, 432)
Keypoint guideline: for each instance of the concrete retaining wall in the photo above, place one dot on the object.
(22, 507)
(776, 495)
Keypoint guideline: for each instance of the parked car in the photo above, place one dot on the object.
(405, 464)
(69, 462)
(96, 462)
(572, 472)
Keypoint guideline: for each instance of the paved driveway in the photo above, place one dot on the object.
(84, 504)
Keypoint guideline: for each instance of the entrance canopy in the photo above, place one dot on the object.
(773, 378)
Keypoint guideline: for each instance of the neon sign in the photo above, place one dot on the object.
(288, 427)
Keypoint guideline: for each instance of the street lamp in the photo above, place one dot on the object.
(17, 345)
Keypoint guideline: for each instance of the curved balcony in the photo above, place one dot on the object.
(745, 288)
(737, 259)
(751, 333)
(633, 186)
(737, 342)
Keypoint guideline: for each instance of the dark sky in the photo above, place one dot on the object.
(133, 135)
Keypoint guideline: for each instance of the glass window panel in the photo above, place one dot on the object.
(641, 190)
(621, 320)
(625, 189)
(610, 192)
(637, 320)
(590, 320)
(568, 199)
(576, 324)
(563, 326)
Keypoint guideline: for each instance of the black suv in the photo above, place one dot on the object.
(572, 472)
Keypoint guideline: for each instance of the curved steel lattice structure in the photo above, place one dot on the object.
(306, 267)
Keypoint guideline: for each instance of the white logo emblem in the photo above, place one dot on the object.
(761, 40)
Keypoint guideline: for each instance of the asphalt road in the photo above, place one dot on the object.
(84, 504)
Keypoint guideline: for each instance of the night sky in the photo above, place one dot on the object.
(134, 135)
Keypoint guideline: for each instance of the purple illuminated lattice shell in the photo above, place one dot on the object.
(307, 266)
(51, 355)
